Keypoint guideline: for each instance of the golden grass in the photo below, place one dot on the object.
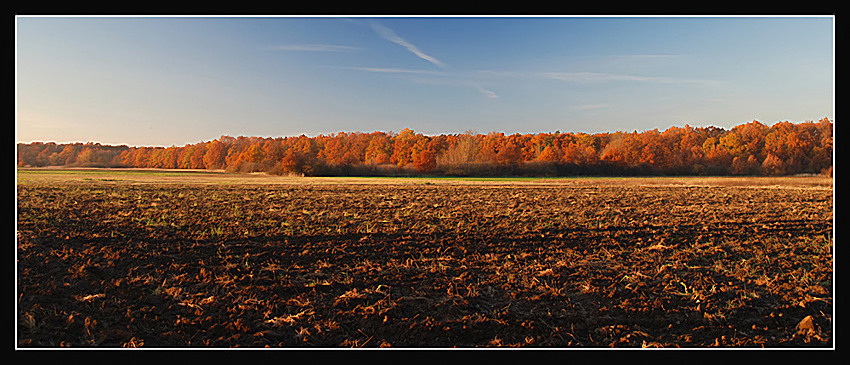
(142, 176)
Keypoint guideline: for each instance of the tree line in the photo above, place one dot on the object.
(748, 149)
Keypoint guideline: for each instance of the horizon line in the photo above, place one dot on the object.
(331, 134)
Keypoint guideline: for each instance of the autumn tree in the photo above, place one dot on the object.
(402, 147)
(459, 156)
(746, 149)
(68, 155)
(43, 157)
(437, 145)
(488, 147)
(742, 166)
(140, 157)
(551, 153)
(215, 155)
(614, 150)
(424, 161)
(196, 157)
(344, 149)
(300, 156)
(28, 153)
(822, 152)
(773, 165)
(509, 154)
(249, 159)
(334, 148)
(539, 142)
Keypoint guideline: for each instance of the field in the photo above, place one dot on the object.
(167, 259)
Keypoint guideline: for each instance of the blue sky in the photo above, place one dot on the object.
(162, 81)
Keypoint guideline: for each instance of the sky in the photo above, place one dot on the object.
(172, 81)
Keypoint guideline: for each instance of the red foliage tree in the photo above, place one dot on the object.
(425, 161)
(551, 153)
(510, 154)
(751, 148)
(402, 147)
(379, 150)
(215, 155)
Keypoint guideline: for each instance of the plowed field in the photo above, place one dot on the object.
(123, 260)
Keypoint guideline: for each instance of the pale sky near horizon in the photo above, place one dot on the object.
(162, 81)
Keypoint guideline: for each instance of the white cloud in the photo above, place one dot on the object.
(395, 70)
(389, 35)
(590, 77)
(490, 94)
(596, 77)
(454, 78)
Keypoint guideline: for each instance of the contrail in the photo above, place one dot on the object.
(389, 35)
(396, 70)
(490, 94)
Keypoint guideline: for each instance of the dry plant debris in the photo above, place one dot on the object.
(591, 264)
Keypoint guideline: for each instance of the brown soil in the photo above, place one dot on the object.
(111, 263)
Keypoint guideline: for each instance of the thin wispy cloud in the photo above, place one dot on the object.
(395, 70)
(595, 77)
(313, 48)
(449, 78)
(586, 77)
(389, 35)
(489, 93)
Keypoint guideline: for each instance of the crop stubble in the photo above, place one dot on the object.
(590, 263)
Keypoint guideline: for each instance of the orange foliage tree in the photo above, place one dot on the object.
(746, 149)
